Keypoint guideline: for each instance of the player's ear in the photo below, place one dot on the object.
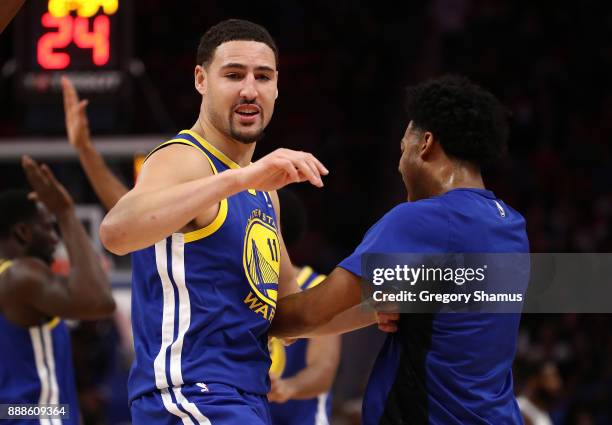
(22, 233)
(200, 80)
(276, 95)
(427, 144)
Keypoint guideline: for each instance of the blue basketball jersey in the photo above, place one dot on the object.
(202, 301)
(287, 362)
(36, 366)
(446, 369)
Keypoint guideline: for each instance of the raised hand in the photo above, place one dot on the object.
(48, 190)
(283, 167)
(77, 124)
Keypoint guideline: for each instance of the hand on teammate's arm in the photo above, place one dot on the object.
(333, 307)
(107, 186)
(387, 322)
(87, 292)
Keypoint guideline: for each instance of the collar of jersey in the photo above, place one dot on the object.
(484, 192)
(216, 152)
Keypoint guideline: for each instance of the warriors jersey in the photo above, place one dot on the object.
(446, 369)
(202, 301)
(36, 366)
(287, 362)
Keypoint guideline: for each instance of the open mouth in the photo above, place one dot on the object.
(248, 112)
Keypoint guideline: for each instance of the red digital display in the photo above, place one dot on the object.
(85, 25)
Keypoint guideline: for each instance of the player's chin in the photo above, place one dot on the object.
(247, 135)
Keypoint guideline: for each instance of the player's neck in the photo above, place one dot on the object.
(448, 176)
(456, 175)
(9, 249)
(240, 153)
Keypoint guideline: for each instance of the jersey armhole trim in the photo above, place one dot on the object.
(4, 265)
(223, 205)
(53, 323)
(163, 145)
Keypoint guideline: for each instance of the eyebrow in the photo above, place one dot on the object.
(241, 66)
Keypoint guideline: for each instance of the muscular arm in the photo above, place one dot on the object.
(322, 358)
(356, 317)
(87, 293)
(301, 313)
(176, 185)
(172, 191)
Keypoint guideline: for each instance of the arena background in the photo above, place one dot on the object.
(343, 67)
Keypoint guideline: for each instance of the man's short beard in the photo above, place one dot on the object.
(246, 139)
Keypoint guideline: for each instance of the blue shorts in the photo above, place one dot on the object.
(213, 404)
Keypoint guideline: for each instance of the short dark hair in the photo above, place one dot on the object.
(232, 30)
(15, 206)
(468, 121)
(293, 217)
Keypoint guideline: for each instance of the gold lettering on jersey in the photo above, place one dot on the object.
(259, 307)
(257, 213)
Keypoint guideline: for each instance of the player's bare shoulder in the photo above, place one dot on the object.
(173, 164)
(22, 280)
(23, 276)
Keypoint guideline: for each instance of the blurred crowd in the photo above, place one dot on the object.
(343, 67)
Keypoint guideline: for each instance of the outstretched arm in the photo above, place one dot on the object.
(107, 186)
(300, 314)
(356, 317)
(171, 192)
(87, 293)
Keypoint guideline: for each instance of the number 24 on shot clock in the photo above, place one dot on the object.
(84, 24)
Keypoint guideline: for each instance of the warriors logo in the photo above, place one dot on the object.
(261, 261)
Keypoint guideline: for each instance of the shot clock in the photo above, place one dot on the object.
(87, 40)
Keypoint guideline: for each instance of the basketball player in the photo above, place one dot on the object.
(302, 373)
(208, 261)
(36, 361)
(438, 368)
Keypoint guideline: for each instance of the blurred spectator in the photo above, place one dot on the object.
(542, 386)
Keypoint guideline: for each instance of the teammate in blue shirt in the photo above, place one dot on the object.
(36, 360)
(437, 368)
(202, 224)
